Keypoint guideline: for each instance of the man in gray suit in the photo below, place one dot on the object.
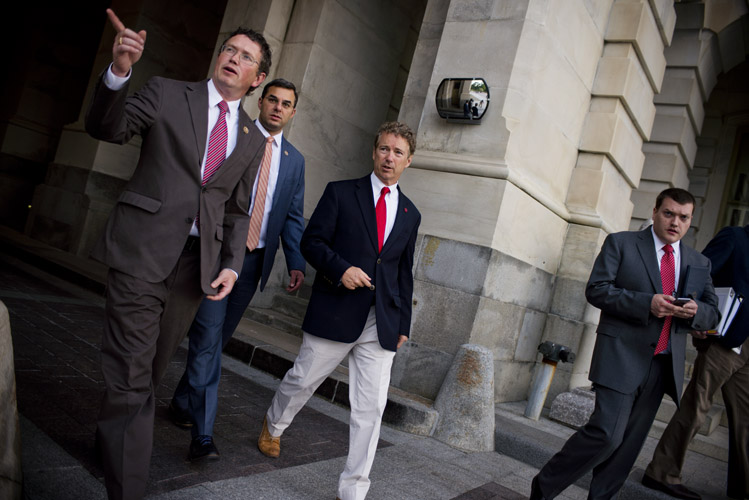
(639, 351)
(177, 232)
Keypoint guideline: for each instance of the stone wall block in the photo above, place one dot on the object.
(420, 369)
(672, 125)
(620, 75)
(512, 380)
(454, 206)
(453, 264)
(466, 401)
(680, 87)
(442, 317)
(568, 299)
(664, 163)
(609, 130)
(514, 281)
(11, 475)
(497, 326)
(635, 23)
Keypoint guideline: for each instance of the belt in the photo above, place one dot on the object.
(192, 244)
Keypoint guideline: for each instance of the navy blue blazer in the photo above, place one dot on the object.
(286, 217)
(341, 233)
(729, 254)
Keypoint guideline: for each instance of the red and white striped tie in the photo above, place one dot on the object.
(258, 209)
(216, 144)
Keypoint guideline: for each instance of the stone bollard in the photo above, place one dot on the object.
(466, 401)
(10, 432)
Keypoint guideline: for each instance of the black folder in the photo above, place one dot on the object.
(694, 282)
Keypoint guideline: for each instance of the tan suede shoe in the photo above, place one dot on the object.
(268, 445)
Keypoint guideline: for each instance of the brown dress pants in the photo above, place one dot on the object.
(715, 368)
(145, 324)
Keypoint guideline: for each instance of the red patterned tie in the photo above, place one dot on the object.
(258, 209)
(381, 211)
(216, 149)
(668, 278)
(216, 144)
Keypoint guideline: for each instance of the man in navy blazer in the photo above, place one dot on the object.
(640, 346)
(718, 367)
(195, 399)
(361, 240)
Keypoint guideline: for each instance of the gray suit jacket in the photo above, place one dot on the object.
(151, 221)
(624, 279)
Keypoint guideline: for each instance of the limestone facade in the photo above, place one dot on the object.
(596, 106)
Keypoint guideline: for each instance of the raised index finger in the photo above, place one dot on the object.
(116, 23)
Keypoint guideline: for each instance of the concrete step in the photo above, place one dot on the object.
(290, 305)
(275, 319)
(713, 420)
(271, 350)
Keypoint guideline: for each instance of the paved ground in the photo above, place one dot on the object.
(56, 331)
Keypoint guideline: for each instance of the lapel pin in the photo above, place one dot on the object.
(245, 130)
(286, 153)
(405, 209)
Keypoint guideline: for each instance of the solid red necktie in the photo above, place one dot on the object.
(668, 278)
(381, 212)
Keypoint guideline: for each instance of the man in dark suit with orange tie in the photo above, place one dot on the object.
(177, 232)
(640, 346)
(361, 240)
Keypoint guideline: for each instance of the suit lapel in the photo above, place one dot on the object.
(366, 205)
(646, 247)
(283, 174)
(683, 263)
(197, 101)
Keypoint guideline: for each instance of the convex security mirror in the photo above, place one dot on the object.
(462, 100)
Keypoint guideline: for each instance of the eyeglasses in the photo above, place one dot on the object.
(244, 57)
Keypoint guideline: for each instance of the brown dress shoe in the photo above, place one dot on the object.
(268, 445)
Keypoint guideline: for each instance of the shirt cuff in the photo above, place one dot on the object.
(114, 82)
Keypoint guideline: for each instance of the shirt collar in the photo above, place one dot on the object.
(276, 138)
(377, 184)
(659, 244)
(214, 98)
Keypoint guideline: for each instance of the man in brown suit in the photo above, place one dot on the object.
(177, 232)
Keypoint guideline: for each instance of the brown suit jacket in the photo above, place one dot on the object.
(151, 220)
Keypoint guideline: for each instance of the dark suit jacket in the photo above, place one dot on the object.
(151, 221)
(729, 254)
(624, 278)
(286, 217)
(341, 233)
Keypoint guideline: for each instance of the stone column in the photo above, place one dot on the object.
(494, 196)
(85, 179)
(10, 432)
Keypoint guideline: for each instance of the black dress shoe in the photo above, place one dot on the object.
(202, 448)
(675, 490)
(180, 418)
